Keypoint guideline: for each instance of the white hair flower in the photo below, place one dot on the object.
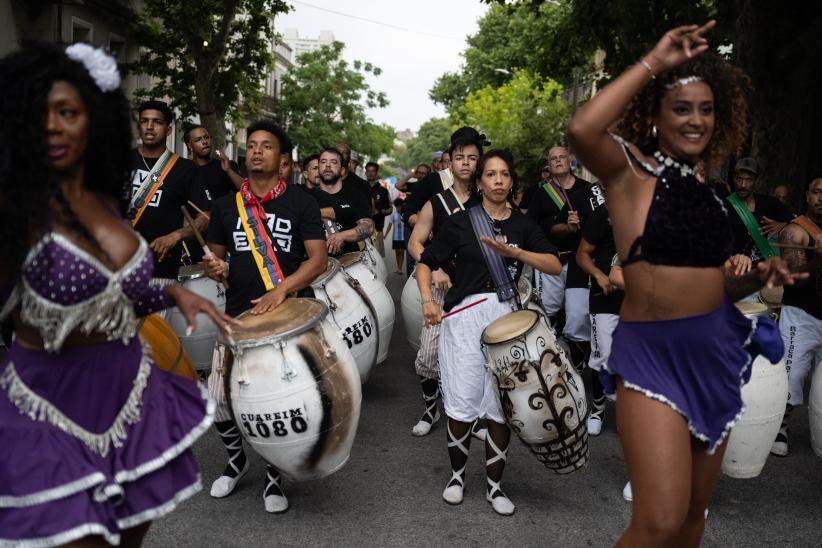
(101, 66)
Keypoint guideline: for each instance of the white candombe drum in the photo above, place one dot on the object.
(200, 344)
(541, 395)
(355, 266)
(764, 398)
(374, 261)
(815, 410)
(411, 309)
(294, 389)
(351, 311)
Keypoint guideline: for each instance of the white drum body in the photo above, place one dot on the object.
(354, 264)
(541, 395)
(296, 396)
(351, 312)
(411, 308)
(374, 261)
(815, 410)
(764, 397)
(200, 344)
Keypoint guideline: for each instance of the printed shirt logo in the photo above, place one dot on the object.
(137, 181)
(279, 227)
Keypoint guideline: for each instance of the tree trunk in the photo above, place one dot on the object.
(780, 50)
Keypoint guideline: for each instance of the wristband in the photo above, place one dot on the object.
(648, 66)
(426, 301)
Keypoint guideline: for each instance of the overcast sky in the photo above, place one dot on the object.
(411, 61)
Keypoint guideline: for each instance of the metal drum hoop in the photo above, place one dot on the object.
(281, 337)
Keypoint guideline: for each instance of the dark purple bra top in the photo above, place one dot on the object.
(687, 223)
(64, 288)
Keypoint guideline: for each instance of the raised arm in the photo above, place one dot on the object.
(588, 130)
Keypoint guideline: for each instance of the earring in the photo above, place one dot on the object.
(653, 131)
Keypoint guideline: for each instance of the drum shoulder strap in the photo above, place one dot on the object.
(808, 226)
(450, 202)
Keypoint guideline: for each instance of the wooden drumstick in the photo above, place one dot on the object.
(792, 246)
(200, 240)
(198, 210)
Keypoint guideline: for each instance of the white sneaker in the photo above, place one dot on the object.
(627, 492)
(423, 427)
(275, 504)
(453, 494)
(594, 425)
(224, 485)
(502, 505)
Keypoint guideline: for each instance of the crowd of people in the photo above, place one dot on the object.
(637, 272)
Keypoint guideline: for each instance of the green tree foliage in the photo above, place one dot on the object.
(532, 37)
(324, 99)
(209, 57)
(526, 115)
(434, 134)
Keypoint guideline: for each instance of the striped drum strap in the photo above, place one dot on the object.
(261, 247)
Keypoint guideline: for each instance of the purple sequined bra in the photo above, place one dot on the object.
(687, 223)
(64, 289)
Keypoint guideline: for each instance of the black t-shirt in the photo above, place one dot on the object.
(381, 200)
(293, 218)
(423, 191)
(162, 215)
(456, 242)
(361, 185)
(350, 205)
(216, 182)
(440, 215)
(585, 198)
(765, 206)
(528, 195)
(599, 233)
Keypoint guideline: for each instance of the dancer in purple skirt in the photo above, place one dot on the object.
(94, 438)
(681, 349)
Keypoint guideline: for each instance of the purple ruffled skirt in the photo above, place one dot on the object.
(696, 365)
(93, 440)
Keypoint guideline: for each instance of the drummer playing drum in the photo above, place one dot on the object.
(510, 240)
(283, 226)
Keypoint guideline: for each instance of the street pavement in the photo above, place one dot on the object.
(389, 493)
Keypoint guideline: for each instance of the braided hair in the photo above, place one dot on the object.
(28, 183)
(729, 85)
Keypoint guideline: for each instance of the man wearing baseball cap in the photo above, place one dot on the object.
(754, 216)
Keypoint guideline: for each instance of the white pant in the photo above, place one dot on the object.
(602, 334)
(216, 386)
(802, 336)
(553, 293)
(426, 361)
(469, 389)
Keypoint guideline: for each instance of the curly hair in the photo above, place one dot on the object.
(28, 184)
(729, 85)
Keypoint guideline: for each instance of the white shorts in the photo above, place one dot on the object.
(216, 385)
(577, 320)
(802, 336)
(469, 389)
(602, 333)
(551, 290)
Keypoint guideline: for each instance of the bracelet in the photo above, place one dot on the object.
(649, 67)
(426, 301)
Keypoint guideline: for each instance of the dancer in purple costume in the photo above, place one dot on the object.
(681, 349)
(94, 438)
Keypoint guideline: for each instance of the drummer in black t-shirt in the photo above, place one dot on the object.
(561, 208)
(291, 228)
(345, 210)
(469, 390)
(381, 200)
(595, 257)
(430, 220)
(162, 183)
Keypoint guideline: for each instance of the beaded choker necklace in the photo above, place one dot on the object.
(667, 161)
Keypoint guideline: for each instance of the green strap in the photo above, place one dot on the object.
(751, 225)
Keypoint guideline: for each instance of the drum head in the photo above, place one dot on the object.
(191, 272)
(331, 269)
(350, 259)
(509, 326)
(292, 317)
(772, 295)
(752, 309)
